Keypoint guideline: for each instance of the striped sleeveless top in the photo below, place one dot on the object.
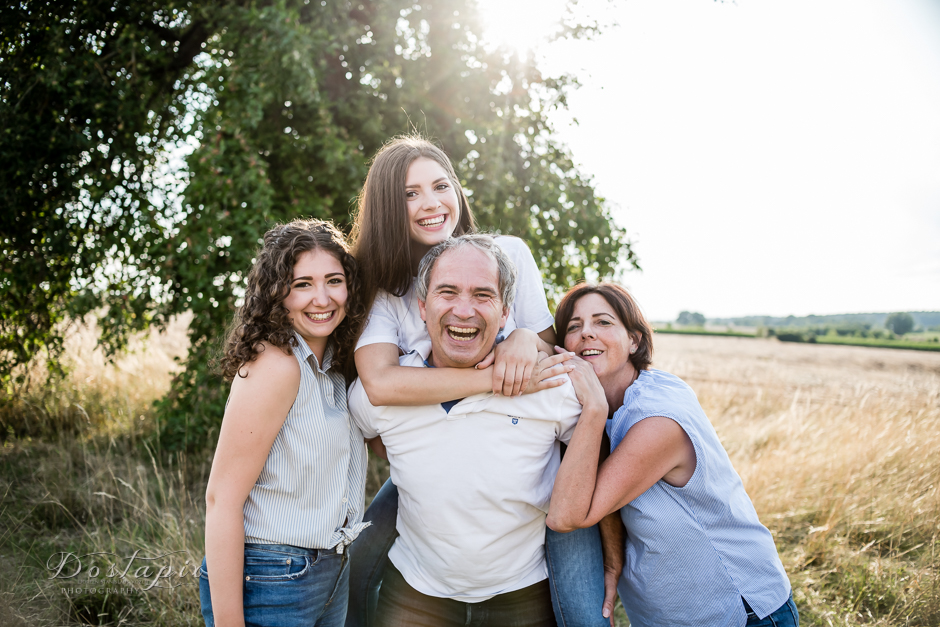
(693, 552)
(314, 477)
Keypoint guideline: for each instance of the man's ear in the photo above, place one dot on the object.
(422, 308)
(504, 317)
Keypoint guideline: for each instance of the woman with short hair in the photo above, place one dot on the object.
(696, 553)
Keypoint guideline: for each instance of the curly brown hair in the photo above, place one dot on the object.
(263, 316)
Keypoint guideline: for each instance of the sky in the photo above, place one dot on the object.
(767, 157)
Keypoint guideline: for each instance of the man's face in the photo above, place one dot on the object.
(464, 311)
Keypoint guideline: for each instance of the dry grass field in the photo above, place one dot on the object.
(839, 448)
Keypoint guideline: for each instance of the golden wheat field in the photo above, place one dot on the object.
(839, 448)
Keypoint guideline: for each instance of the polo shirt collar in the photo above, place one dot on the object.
(447, 405)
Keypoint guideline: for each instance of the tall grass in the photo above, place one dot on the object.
(78, 479)
(107, 397)
(839, 448)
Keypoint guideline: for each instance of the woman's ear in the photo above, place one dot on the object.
(635, 339)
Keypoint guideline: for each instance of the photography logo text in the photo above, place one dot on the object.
(109, 573)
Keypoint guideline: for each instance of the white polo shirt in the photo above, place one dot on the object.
(474, 485)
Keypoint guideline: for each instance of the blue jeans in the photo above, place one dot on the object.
(576, 575)
(785, 616)
(575, 568)
(286, 586)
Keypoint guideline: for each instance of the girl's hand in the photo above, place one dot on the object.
(586, 384)
(514, 359)
(546, 371)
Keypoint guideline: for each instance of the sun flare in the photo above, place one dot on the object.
(520, 25)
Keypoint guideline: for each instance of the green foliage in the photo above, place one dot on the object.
(830, 331)
(900, 323)
(90, 94)
(284, 102)
(691, 319)
(880, 343)
(925, 319)
(795, 336)
(851, 334)
(698, 331)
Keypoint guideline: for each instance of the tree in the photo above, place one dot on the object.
(899, 323)
(284, 102)
(691, 319)
(90, 93)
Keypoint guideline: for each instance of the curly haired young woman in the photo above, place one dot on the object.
(285, 494)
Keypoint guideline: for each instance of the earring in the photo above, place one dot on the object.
(632, 349)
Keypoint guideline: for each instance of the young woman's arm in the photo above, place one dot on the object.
(388, 383)
(256, 410)
(653, 449)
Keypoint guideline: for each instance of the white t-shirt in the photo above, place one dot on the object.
(474, 485)
(397, 320)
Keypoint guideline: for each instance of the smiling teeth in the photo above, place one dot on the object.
(432, 221)
(590, 352)
(320, 316)
(462, 333)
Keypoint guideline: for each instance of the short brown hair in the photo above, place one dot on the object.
(623, 305)
(381, 237)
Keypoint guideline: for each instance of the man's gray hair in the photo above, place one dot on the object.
(484, 243)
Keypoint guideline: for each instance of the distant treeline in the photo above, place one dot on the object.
(922, 319)
(812, 333)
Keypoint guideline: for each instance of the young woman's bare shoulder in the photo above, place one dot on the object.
(272, 362)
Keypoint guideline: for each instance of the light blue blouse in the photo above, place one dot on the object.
(693, 552)
(314, 477)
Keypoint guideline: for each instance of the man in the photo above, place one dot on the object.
(474, 475)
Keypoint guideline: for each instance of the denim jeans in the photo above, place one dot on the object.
(575, 568)
(785, 616)
(400, 605)
(286, 586)
(576, 575)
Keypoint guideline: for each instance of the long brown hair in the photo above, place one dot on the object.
(381, 238)
(263, 316)
(623, 305)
